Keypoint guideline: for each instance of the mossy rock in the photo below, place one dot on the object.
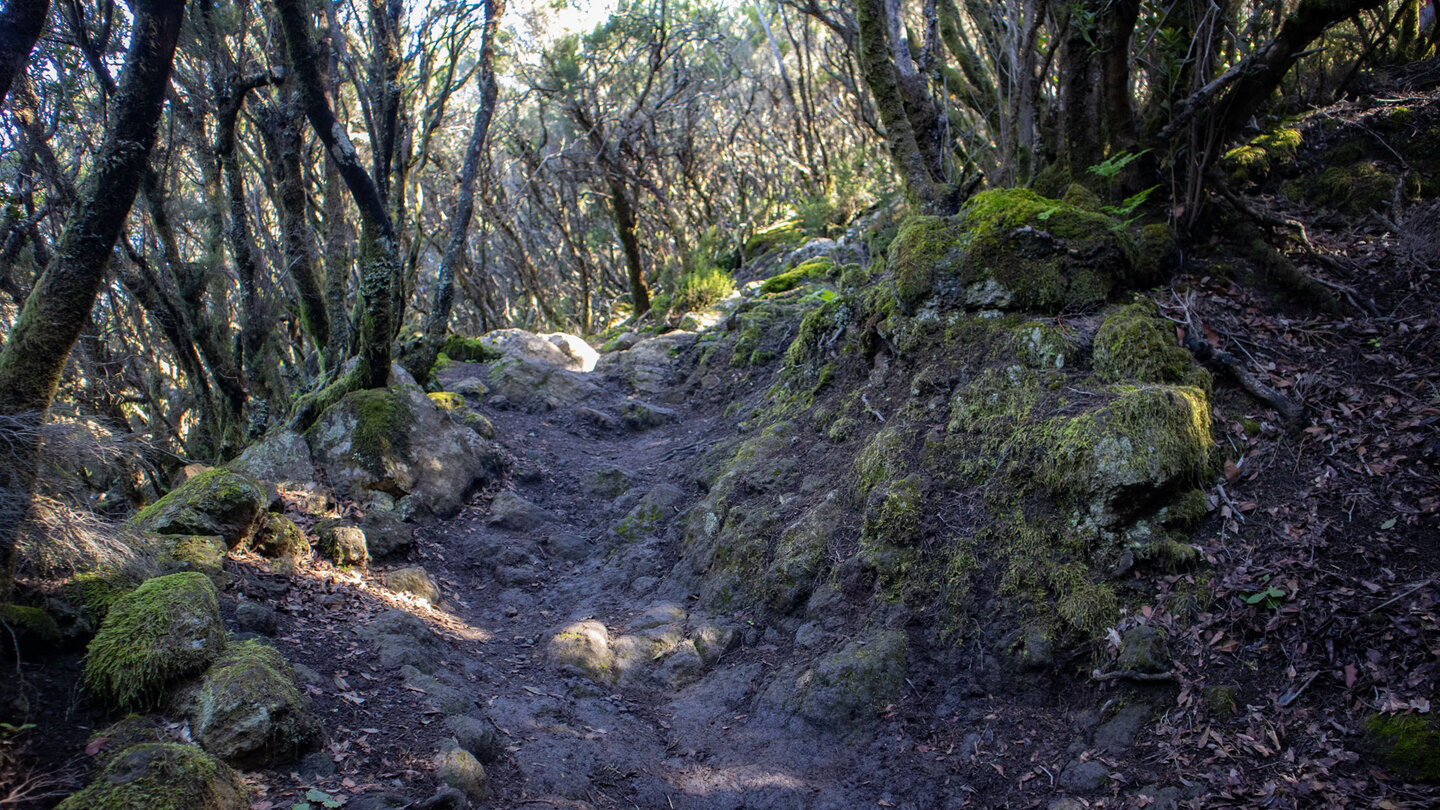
(469, 350)
(1407, 744)
(344, 545)
(161, 776)
(1252, 163)
(447, 400)
(1135, 345)
(198, 552)
(790, 279)
(1143, 649)
(397, 442)
(164, 631)
(248, 711)
(30, 624)
(850, 688)
(1145, 442)
(783, 234)
(1012, 248)
(282, 538)
(584, 647)
(216, 502)
(95, 593)
(1355, 189)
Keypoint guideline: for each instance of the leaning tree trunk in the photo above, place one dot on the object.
(379, 253)
(55, 311)
(20, 25)
(876, 56)
(422, 358)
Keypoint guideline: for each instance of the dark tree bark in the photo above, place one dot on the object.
(55, 311)
(21, 22)
(907, 134)
(379, 253)
(284, 145)
(256, 330)
(438, 319)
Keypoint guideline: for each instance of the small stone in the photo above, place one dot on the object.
(512, 512)
(460, 769)
(476, 736)
(1084, 777)
(256, 618)
(1143, 649)
(511, 611)
(318, 764)
(683, 666)
(344, 545)
(415, 581)
(281, 538)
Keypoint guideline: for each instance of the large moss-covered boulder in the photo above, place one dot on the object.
(1012, 248)
(164, 631)
(853, 686)
(161, 776)
(1147, 442)
(224, 503)
(394, 440)
(247, 709)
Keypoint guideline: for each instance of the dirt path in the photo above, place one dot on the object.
(580, 741)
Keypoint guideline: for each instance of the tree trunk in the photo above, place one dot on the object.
(20, 25)
(55, 311)
(283, 142)
(874, 51)
(630, 241)
(437, 321)
(379, 253)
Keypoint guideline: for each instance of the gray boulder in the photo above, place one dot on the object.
(283, 455)
(395, 440)
(216, 502)
(248, 711)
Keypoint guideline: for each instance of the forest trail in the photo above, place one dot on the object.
(674, 731)
(669, 726)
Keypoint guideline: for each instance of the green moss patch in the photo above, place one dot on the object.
(794, 277)
(161, 776)
(469, 350)
(1012, 248)
(1408, 745)
(165, 630)
(382, 424)
(1135, 344)
(31, 623)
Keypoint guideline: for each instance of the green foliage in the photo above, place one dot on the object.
(697, 290)
(1111, 167)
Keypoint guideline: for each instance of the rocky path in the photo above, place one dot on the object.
(605, 687)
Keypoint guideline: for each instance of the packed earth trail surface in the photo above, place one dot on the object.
(560, 652)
